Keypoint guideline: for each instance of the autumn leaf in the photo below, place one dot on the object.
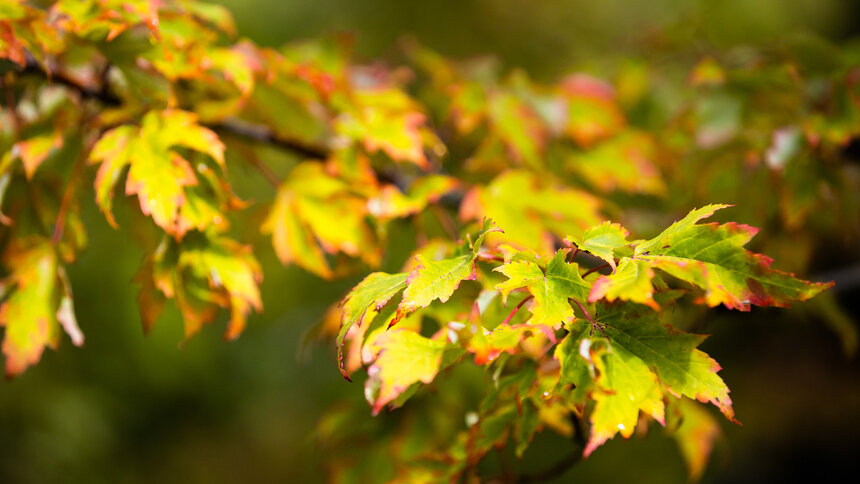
(38, 303)
(624, 162)
(34, 151)
(386, 119)
(364, 302)
(711, 257)
(592, 113)
(631, 281)
(532, 211)
(158, 174)
(621, 385)
(405, 358)
(391, 203)
(203, 272)
(315, 213)
(629, 365)
(695, 435)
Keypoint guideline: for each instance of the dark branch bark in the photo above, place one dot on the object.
(262, 134)
(232, 127)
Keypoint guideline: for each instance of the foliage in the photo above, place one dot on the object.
(568, 319)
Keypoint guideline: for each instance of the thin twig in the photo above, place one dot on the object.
(264, 135)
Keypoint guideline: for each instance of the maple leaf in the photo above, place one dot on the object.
(431, 280)
(391, 203)
(404, 358)
(631, 281)
(695, 435)
(709, 256)
(35, 150)
(364, 302)
(157, 173)
(603, 240)
(385, 119)
(315, 213)
(203, 272)
(531, 211)
(38, 303)
(621, 163)
(628, 367)
(518, 126)
(592, 113)
(551, 287)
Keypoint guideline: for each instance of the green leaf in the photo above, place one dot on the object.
(364, 302)
(672, 354)
(712, 257)
(603, 240)
(624, 385)
(432, 280)
(631, 363)
(551, 288)
(678, 230)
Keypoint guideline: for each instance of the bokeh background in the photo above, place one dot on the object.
(129, 408)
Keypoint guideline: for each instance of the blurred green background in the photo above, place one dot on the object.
(129, 408)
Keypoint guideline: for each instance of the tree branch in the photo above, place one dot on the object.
(233, 127)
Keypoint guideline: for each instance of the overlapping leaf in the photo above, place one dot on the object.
(431, 280)
(531, 211)
(37, 303)
(390, 202)
(552, 287)
(629, 365)
(385, 119)
(203, 273)
(404, 358)
(314, 214)
(158, 174)
(711, 257)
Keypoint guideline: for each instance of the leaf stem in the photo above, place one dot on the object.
(445, 220)
(516, 308)
(595, 269)
(68, 194)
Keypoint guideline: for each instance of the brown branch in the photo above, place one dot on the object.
(249, 131)
(264, 135)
